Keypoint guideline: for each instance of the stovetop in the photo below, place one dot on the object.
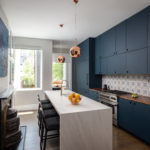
(117, 92)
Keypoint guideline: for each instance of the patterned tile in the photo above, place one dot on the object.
(139, 84)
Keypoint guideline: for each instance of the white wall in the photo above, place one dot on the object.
(27, 99)
(4, 81)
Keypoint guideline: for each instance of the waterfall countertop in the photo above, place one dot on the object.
(63, 105)
(87, 126)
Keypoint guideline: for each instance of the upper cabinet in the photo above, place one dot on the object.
(97, 55)
(137, 31)
(107, 43)
(121, 38)
(137, 62)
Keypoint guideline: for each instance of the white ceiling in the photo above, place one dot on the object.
(41, 18)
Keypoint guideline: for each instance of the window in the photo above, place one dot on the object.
(26, 68)
(58, 73)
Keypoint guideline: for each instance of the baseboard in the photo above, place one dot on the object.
(26, 107)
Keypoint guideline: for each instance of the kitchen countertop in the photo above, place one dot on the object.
(63, 105)
(140, 98)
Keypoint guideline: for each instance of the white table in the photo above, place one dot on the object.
(87, 126)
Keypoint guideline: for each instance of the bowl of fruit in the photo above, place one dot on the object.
(74, 98)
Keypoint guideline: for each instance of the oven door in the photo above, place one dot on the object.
(114, 110)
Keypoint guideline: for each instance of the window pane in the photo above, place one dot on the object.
(27, 69)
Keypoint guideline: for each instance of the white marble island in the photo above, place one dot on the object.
(87, 126)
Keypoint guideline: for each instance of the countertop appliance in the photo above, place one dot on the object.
(110, 98)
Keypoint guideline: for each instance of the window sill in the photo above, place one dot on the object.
(29, 89)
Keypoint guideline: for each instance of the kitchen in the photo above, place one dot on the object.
(96, 92)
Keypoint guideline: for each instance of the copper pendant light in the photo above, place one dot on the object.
(61, 59)
(75, 50)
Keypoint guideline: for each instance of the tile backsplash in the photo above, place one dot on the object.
(139, 84)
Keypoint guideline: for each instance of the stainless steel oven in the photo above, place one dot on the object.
(111, 101)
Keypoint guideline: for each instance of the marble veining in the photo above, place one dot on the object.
(87, 126)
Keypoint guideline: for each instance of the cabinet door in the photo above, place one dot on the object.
(103, 65)
(137, 62)
(141, 118)
(125, 114)
(84, 46)
(137, 31)
(74, 75)
(111, 66)
(107, 45)
(120, 65)
(121, 38)
(97, 55)
(149, 27)
(149, 60)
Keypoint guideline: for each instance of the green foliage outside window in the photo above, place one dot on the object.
(57, 71)
(28, 75)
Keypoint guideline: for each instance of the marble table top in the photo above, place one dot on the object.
(64, 106)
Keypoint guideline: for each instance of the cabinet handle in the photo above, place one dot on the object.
(127, 49)
(127, 71)
(115, 72)
(87, 79)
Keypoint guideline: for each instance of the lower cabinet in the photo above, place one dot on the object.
(149, 60)
(134, 117)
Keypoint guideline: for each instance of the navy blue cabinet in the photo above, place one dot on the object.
(107, 43)
(104, 65)
(134, 117)
(137, 31)
(149, 60)
(121, 38)
(97, 55)
(137, 62)
(83, 70)
(149, 27)
(117, 64)
(125, 114)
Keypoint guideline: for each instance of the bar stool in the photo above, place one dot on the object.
(48, 124)
(48, 110)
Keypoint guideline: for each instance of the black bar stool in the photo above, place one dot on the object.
(50, 123)
(48, 110)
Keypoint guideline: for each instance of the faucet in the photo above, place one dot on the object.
(61, 87)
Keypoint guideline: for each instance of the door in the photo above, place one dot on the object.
(121, 38)
(148, 60)
(74, 75)
(137, 62)
(141, 121)
(120, 65)
(125, 114)
(97, 55)
(149, 27)
(108, 43)
(137, 31)
(104, 65)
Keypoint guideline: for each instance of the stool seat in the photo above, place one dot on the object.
(52, 123)
(47, 106)
(50, 113)
(45, 101)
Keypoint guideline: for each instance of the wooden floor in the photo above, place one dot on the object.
(121, 139)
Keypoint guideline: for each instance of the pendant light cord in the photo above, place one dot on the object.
(75, 24)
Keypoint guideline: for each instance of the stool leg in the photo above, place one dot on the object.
(45, 139)
(41, 136)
